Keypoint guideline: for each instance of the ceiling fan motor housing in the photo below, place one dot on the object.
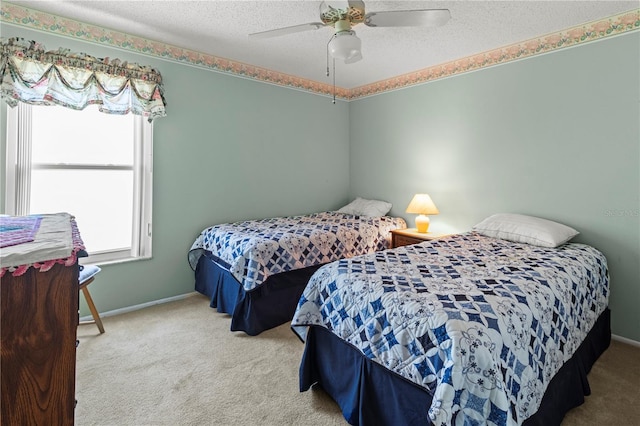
(353, 14)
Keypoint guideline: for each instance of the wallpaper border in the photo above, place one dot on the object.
(596, 30)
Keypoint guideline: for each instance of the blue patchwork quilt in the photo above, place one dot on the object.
(483, 324)
(253, 250)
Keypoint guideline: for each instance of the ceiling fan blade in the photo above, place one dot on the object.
(355, 58)
(408, 18)
(287, 30)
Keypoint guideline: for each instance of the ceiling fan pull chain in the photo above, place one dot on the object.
(334, 81)
(328, 55)
(334, 70)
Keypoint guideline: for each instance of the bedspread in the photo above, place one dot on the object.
(253, 250)
(483, 324)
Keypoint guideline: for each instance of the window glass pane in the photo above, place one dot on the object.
(100, 198)
(101, 201)
(64, 135)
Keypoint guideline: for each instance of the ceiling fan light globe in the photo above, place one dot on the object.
(353, 59)
(345, 45)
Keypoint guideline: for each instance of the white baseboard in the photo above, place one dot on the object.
(140, 306)
(625, 340)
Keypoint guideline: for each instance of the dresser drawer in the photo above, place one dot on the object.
(403, 240)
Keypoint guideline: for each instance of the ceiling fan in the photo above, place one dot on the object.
(343, 15)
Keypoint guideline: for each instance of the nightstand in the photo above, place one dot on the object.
(408, 236)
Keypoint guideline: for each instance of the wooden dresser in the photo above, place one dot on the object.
(39, 319)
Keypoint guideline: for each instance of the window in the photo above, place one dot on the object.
(95, 166)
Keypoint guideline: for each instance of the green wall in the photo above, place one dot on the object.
(228, 149)
(557, 136)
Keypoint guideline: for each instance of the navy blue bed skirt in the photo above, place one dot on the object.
(269, 305)
(369, 394)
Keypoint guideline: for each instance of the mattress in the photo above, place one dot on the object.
(253, 250)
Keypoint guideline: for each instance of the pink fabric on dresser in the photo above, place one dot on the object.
(76, 246)
(18, 230)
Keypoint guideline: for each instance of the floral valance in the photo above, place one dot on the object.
(74, 80)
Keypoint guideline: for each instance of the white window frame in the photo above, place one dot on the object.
(18, 181)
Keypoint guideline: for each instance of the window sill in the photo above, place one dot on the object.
(98, 262)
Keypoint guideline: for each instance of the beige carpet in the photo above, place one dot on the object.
(178, 364)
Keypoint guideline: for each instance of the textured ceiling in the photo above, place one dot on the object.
(221, 28)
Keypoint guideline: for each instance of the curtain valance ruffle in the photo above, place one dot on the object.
(75, 80)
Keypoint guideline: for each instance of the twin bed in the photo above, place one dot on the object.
(492, 326)
(256, 270)
(468, 329)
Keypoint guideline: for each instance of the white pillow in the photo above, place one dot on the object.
(362, 207)
(525, 229)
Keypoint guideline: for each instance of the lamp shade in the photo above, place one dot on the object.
(345, 45)
(422, 204)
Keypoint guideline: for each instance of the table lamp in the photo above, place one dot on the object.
(422, 205)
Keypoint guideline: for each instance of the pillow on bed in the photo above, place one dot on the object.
(362, 207)
(525, 229)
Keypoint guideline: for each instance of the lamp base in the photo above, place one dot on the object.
(422, 223)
